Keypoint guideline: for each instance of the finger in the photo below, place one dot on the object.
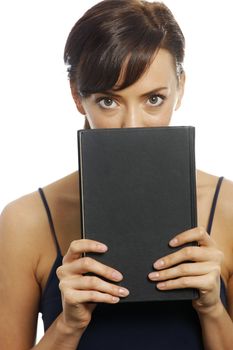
(189, 269)
(93, 283)
(197, 234)
(203, 283)
(87, 264)
(78, 247)
(74, 297)
(190, 253)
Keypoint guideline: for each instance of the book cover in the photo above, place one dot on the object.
(138, 191)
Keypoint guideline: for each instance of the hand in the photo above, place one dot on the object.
(192, 267)
(78, 291)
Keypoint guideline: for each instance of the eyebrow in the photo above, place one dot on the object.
(113, 94)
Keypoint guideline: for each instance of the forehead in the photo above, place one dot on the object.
(161, 72)
(161, 69)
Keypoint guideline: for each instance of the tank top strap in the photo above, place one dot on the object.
(50, 220)
(213, 207)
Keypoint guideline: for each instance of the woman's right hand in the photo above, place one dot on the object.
(81, 292)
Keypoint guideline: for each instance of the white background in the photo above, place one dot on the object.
(38, 120)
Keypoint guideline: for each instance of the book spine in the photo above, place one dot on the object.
(81, 183)
(193, 177)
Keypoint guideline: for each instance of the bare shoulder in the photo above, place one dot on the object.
(20, 223)
(24, 223)
(206, 187)
(224, 208)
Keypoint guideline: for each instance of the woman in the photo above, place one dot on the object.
(125, 67)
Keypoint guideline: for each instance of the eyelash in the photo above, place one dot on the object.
(102, 98)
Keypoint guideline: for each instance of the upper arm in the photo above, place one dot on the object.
(19, 289)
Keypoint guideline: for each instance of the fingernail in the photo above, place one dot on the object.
(159, 263)
(173, 242)
(161, 285)
(115, 299)
(154, 275)
(102, 247)
(116, 275)
(123, 292)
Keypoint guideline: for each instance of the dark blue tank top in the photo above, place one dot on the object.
(154, 325)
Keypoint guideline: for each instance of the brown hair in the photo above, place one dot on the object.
(114, 31)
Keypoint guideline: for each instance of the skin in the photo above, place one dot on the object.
(26, 245)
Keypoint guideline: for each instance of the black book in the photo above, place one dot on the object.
(138, 191)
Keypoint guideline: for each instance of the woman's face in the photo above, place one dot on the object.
(148, 102)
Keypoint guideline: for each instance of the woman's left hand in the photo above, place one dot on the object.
(192, 267)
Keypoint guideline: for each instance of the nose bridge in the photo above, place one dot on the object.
(132, 117)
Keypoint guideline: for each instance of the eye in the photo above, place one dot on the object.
(155, 100)
(106, 102)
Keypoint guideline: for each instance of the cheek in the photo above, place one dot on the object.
(161, 119)
(98, 121)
